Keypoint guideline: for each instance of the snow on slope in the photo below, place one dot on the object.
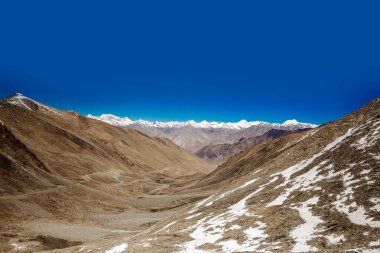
(20, 100)
(118, 249)
(119, 121)
(321, 194)
(213, 228)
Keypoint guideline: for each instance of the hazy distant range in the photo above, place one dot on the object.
(193, 136)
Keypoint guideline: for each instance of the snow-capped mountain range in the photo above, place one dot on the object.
(242, 124)
(193, 135)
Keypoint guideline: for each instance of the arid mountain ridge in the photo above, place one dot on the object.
(219, 153)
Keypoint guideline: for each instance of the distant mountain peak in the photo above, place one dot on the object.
(22, 101)
(290, 122)
(16, 95)
(242, 124)
(112, 119)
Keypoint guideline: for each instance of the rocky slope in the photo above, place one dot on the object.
(219, 153)
(61, 171)
(311, 191)
(193, 135)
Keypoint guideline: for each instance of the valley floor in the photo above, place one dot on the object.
(52, 233)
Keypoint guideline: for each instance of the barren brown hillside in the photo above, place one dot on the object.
(67, 179)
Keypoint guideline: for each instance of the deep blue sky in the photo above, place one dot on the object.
(177, 60)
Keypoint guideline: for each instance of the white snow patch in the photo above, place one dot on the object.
(229, 245)
(305, 232)
(231, 191)
(363, 172)
(112, 119)
(375, 243)
(19, 100)
(302, 182)
(199, 204)
(235, 226)
(211, 228)
(166, 227)
(205, 232)
(240, 208)
(335, 239)
(307, 178)
(192, 216)
(17, 246)
(376, 157)
(369, 139)
(145, 244)
(254, 237)
(210, 200)
(118, 249)
(356, 214)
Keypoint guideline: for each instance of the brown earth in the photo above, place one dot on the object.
(68, 180)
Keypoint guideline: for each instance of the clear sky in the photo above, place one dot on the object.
(178, 60)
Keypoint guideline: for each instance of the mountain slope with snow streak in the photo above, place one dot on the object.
(318, 192)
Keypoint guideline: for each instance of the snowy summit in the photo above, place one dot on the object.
(242, 124)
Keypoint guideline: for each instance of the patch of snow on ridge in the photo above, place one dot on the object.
(335, 239)
(165, 227)
(369, 139)
(205, 231)
(375, 243)
(235, 226)
(192, 216)
(356, 214)
(242, 124)
(307, 178)
(212, 228)
(118, 249)
(305, 232)
(302, 182)
(254, 236)
(168, 225)
(19, 100)
(18, 247)
(210, 200)
(199, 204)
(231, 191)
